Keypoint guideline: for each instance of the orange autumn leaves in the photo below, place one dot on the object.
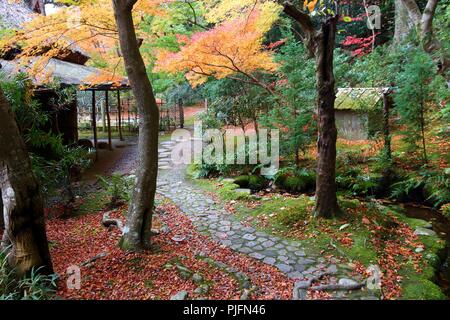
(310, 5)
(232, 47)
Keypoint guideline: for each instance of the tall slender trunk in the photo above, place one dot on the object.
(2, 220)
(386, 129)
(320, 44)
(137, 232)
(326, 199)
(22, 202)
(422, 130)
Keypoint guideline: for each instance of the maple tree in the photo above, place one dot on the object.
(217, 52)
(85, 25)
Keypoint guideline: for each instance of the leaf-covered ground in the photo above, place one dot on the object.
(153, 275)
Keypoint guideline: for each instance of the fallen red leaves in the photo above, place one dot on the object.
(143, 275)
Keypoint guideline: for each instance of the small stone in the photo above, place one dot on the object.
(182, 295)
(249, 236)
(269, 260)
(347, 282)
(299, 253)
(332, 268)
(197, 278)
(268, 244)
(302, 284)
(424, 232)
(245, 250)
(419, 249)
(256, 255)
(242, 191)
(178, 238)
(284, 267)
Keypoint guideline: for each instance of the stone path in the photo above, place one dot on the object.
(211, 217)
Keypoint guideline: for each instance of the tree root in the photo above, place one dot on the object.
(337, 286)
(93, 259)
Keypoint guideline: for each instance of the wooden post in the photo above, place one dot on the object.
(119, 113)
(94, 124)
(108, 120)
(129, 115)
(102, 110)
(181, 110)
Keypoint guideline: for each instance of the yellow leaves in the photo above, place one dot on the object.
(222, 10)
(89, 26)
(232, 47)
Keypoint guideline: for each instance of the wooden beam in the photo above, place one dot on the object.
(119, 112)
(94, 125)
(108, 120)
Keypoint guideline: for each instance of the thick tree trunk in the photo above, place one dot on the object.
(2, 220)
(403, 24)
(137, 232)
(326, 200)
(22, 201)
(320, 44)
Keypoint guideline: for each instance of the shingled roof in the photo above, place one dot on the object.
(358, 99)
(14, 14)
(66, 73)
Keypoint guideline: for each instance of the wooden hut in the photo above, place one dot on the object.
(359, 112)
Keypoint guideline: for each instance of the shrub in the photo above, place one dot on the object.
(242, 181)
(35, 286)
(446, 210)
(302, 180)
(118, 187)
(252, 182)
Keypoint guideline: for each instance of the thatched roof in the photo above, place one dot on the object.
(66, 73)
(358, 99)
(14, 14)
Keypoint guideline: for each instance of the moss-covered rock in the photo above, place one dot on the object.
(252, 182)
(257, 182)
(242, 181)
(300, 182)
(421, 289)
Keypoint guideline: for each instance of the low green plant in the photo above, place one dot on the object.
(119, 187)
(35, 286)
(295, 180)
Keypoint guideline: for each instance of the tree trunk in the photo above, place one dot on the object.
(386, 129)
(403, 24)
(326, 200)
(137, 232)
(181, 111)
(2, 220)
(22, 201)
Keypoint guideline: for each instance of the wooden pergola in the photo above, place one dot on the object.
(106, 88)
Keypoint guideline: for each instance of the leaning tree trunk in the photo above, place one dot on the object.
(137, 232)
(22, 201)
(326, 200)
